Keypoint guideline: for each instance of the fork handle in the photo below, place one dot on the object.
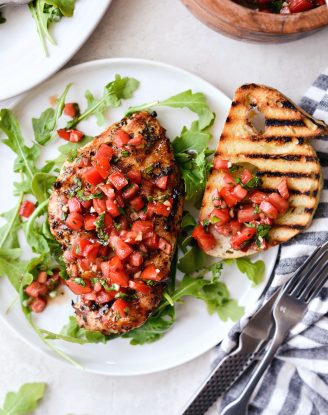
(239, 406)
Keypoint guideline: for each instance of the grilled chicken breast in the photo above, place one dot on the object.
(281, 150)
(116, 211)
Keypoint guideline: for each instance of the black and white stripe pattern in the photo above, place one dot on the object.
(297, 380)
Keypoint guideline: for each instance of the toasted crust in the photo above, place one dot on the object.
(283, 150)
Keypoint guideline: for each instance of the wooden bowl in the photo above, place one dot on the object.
(240, 22)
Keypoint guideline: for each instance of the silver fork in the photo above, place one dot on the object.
(288, 310)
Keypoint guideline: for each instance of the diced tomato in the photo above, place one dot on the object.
(137, 203)
(130, 191)
(239, 192)
(103, 251)
(108, 190)
(74, 205)
(229, 180)
(84, 264)
(118, 180)
(64, 134)
(151, 273)
(206, 241)
(112, 208)
(283, 189)
(38, 305)
(238, 240)
(297, 6)
(235, 226)
(68, 256)
(223, 229)
(121, 248)
(75, 136)
(128, 236)
(229, 198)
(36, 289)
(74, 221)
(121, 307)
(92, 176)
(257, 197)
(91, 251)
(123, 222)
(89, 222)
(161, 182)
(247, 215)
(114, 264)
(90, 296)
(152, 242)
(102, 159)
(26, 209)
(221, 214)
(159, 209)
(78, 246)
(105, 296)
(278, 202)
(136, 141)
(134, 176)
(71, 109)
(77, 288)
(165, 246)
(264, 220)
(220, 164)
(121, 138)
(73, 270)
(144, 226)
(86, 203)
(119, 277)
(99, 205)
(42, 277)
(147, 187)
(269, 209)
(108, 220)
(246, 176)
(139, 286)
(135, 259)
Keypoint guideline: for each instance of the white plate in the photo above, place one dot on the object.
(195, 332)
(23, 62)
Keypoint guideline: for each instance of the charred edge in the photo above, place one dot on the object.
(288, 104)
(176, 194)
(280, 139)
(284, 123)
(288, 157)
(293, 192)
(228, 119)
(292, 175)
(234, 103)
(297, 227)
(308, 210)
(57, 185)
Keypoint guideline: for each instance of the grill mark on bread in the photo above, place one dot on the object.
(294, 192)
(287, 157)
(276, 122)
(290, 174)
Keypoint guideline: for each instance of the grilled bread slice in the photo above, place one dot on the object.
(281, 150)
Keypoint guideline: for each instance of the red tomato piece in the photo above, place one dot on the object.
(235, 227)
(91, 251)
(118, 180)
(161, 182)
(71, 109)
(206, 241)
(115, 264)
(36, 289)
(137, 203)
(139, 286)
(102, 159)
(79, 246)
(165, 246)
(77, 288)
(74, 205)
(269, 209)
(278, 202)
(159, 209)
(89, 222)
(136, 259)
(238, 240)
(239, 192)
(112, 208)
(92, 176)
(151, 273)
(121, 138)
(136, 141)
(108, 190)
(283, 189)
(220, 164)
(297, 6)
(64, 134)
(257, 197)
(105, 296)
(246, 176)
(144, 226)
(223, 229)
(42, 277)
(247, 215)
(228, 197)
(130, 191)
(135, 176)
(99, 205)
(121, 307)
(152, 242)
(75, 136)
(119, 277)
(221, 214)
(38, 305)
(26, 209)
(229, 180)
(121, 248)
(74, 221)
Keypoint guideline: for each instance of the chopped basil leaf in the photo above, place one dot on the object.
(234, 168)
(125, 153)
(100, 229)
(84, 197)
(80, 281)
(149, 169)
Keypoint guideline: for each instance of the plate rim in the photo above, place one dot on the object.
(59, 64)
(67, 71)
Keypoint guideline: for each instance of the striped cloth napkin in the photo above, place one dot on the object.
(297, 381)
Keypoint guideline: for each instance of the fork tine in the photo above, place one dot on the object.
(301, 277)
(319, 283)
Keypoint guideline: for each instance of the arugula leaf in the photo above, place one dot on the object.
(2, 19)
(33, 230)
(73, 331)
(254, 270)
(41, 185)
(65, 6)
(193, 139)
(69, 151)
(25, 400)
(45, 125)
(188, 221)
(26, 156)
(114, 92)
(195, 102)
(193, 260)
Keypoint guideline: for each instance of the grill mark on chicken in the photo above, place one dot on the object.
(157, 152)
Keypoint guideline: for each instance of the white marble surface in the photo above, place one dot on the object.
(160, 30)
